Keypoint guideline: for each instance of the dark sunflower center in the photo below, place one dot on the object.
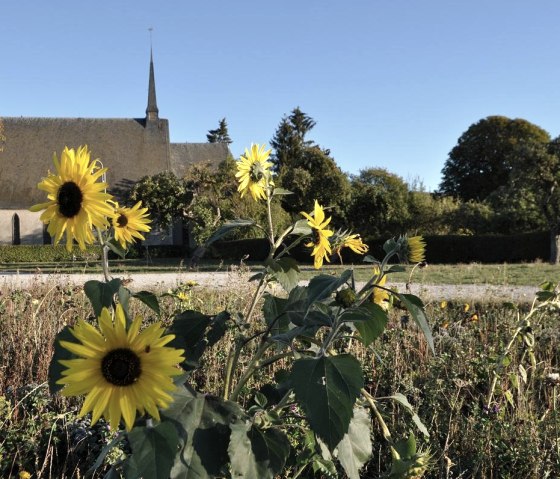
(122, 221)
(121, 367)
(316, 236)
(69, 199)
(257, 172)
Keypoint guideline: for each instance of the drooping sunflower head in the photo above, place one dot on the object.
(78, 201)
(346, 239)
(253, 172)
(320, 235)
(128, 223)
(416, 249)
(120, 371)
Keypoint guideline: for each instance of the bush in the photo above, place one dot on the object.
(46, 254)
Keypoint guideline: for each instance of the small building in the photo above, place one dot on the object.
(131, 148)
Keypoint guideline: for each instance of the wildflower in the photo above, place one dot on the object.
(320, 242)
(253, 172)
(466, 308)
(120, 371)
(129, 222)
(474, 317)
(443, 304)
(77, 201)
(24, 475)
(416, 249)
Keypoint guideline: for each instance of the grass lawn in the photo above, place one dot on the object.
(527, 274)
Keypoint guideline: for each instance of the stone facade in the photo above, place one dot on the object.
(130, 147)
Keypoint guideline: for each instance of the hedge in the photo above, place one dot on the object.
(447, 249)
(54, 254)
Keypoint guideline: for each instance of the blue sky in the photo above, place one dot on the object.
(390, 83)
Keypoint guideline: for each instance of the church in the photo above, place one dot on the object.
(130, 148)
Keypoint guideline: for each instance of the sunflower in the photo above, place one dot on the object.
(380, 296)
(253, 172)
(416, 249)
(320, 242)
(128, 222)
(120, 371)
(77, 201)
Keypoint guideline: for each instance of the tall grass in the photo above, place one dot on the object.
(42, 434)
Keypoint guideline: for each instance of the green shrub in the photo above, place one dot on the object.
(46, 254)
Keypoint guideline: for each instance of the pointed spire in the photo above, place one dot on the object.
(152, 110)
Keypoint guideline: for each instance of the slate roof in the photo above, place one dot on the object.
(183, 155)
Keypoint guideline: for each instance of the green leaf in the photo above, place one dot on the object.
(285, 270)
(416, 308)
(203, 422)
(301, 228)
(217, 328)
(281, 191)
(355, 448)
(55, 368)
(116, 248)
(395, 268)
(106, 449)
(390, 246)
(273, 312)
(189, 329)
(369, 319)
(124, 296)
(226, 228)
(509, 398)
(327, 388)
(101, 294)
(153, 450)
(149, 299)
(323, 285)
(256, 453)
(401, 399)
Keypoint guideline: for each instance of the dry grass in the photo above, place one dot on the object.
(448, 388)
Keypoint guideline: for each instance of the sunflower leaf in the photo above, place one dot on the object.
(281, 191)
(257, 453)
(369, 319)
(55, 368)
(149, 299)
(100, 294)
(116, 248)
(355, 448)
(285, 270)
(153, 450)
(226, 228)
(416, 308)
(323, 285)
(204, 423)
(327, 389)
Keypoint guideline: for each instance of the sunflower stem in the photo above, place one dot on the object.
(384, 429)
(105, 263)
(270, 225)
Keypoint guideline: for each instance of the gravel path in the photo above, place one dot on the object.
(163, 281)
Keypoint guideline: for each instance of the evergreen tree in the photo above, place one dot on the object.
(220, 134)
(289, 139)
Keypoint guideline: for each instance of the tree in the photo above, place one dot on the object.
(315, 177)
(289, 140)
(484, 156)
(379, 203)
(167, 198)
(220, 134)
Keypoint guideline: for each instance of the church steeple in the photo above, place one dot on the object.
(152, 110)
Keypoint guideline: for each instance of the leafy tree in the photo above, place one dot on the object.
(379, 204)
(430, 214)
(315, 177)
(167, 198)
(220, 134)
(538, 172)
(484, 156)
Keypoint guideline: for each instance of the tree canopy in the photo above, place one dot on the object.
(220, 134)
(485, 155)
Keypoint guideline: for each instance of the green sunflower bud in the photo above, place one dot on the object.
(346, 297)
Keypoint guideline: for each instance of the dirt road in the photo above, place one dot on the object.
(164, 281)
